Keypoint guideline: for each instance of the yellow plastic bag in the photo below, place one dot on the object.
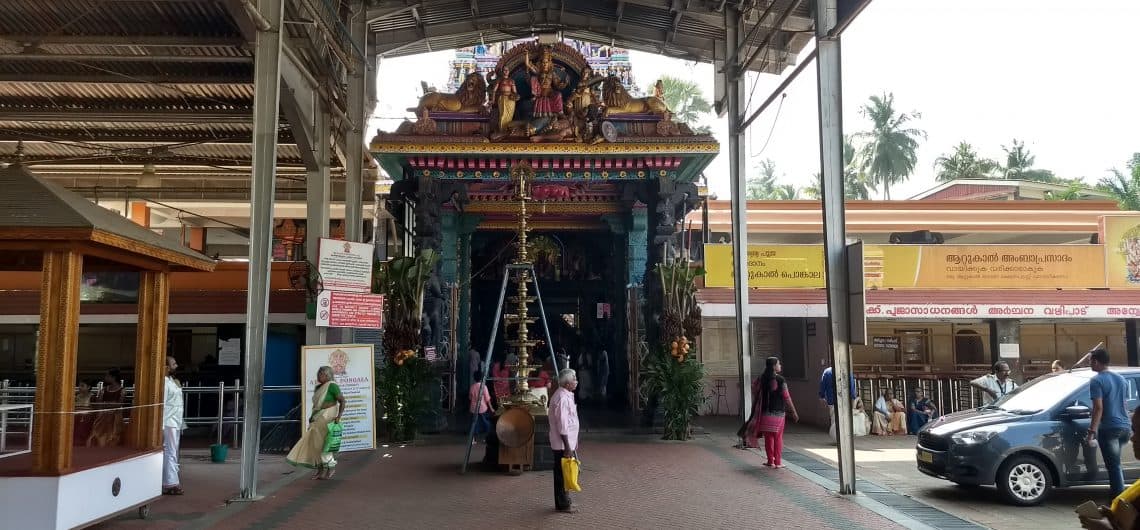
(570, 474)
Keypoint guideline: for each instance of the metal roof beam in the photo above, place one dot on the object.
(112, 136)
(169, 117)
(377, 14)
(182, 79)
(145, 41)
(124, 58)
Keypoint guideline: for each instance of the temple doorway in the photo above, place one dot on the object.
(581, 274)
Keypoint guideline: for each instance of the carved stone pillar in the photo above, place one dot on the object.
(145, 431)
(637, 241)
(466, 229)
(449, 245)
(56, 361)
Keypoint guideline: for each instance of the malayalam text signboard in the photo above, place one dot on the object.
(921, 266)
(345, 266)
(769, 266)
(353, 371)
(350, 310)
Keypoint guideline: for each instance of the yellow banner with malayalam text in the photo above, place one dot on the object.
(769, 266)
(920, 266)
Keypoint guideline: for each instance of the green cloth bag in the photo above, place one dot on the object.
(332, 438)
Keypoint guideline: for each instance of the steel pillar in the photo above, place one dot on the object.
(737, 158)
(266, 99)
(828, 66)
(317, 195)
(354, 151)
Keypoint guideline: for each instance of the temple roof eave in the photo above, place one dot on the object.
(686, 159)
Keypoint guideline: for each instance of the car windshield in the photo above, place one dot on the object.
(1040, 393)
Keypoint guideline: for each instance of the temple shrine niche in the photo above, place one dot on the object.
(613, 178)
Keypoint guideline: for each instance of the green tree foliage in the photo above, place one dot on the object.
(964, 163)
(890, 149)
(1125, 187)
(686, 101)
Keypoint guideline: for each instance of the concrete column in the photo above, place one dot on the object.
(829, 69)
(317, 195)
(266, 107)
(734, 83)
(56, 352)
(145, 430)
(354, 151)
(1132, 342)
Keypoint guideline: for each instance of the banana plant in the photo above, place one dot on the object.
(403, 281)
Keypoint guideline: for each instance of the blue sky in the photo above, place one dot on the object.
(1059, 75)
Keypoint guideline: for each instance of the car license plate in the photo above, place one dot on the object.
(926, 456)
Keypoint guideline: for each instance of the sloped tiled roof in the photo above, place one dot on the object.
(29, 202)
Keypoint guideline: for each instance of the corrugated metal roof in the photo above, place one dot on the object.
(93, 17)
(690, 29)
(30, 202)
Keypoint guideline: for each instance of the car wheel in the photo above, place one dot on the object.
(1024, 480)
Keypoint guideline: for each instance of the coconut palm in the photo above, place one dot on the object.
(890, 151)
(854, 182)
(760, 187)
(1019, 164)
(964, 163)
(1125, 187)
(1076, 190)
(685, 100)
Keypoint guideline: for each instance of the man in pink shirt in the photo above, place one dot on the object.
(563, 416)
(480, 407)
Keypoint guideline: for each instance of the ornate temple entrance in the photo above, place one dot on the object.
(613, 177)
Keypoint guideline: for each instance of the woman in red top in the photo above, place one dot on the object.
(774, 404)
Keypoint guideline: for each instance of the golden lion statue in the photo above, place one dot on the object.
(618, 101)
(470, 98)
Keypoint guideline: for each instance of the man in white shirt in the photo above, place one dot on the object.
(563, 415)
(996, 385)
(172, 425)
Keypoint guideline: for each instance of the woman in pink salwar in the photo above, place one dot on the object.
(772, 405)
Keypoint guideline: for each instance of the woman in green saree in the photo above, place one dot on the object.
(328, 405)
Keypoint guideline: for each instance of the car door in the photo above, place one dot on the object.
(1128, 458)
(1079, 460)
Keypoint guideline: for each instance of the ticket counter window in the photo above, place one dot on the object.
(969, 349)
(914, 347)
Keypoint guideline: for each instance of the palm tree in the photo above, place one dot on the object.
(963, 163)
(1076, 190)
(1019, 164)
(854, 182)
(762, 186)
(1125, 187)
(685, 100)
(891, 149)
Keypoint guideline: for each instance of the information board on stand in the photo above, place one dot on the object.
(346, 300)
(353, 367)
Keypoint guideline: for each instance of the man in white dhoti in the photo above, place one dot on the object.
(172, 425)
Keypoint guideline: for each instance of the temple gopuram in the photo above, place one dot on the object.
(612, 176)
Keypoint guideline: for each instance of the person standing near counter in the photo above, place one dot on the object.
(173, 410)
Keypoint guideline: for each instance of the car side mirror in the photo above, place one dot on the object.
(1076, 412)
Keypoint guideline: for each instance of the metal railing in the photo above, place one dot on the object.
(949, 393)
(224, 416)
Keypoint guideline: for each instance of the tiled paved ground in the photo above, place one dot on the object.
(629, 482)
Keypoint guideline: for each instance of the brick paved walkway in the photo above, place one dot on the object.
(629, 482)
